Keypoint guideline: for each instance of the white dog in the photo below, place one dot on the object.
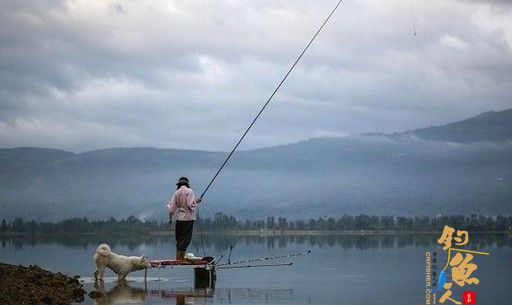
(120, 264)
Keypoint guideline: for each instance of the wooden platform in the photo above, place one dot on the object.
(203, 261)
(204, 269)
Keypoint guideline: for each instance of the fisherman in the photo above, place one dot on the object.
(183, 203)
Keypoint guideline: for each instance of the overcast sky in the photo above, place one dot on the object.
(82, 75)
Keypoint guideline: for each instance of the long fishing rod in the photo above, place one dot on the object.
(267, 258)
(270, 98)
(254, 266)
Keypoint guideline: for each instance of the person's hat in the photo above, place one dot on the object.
(183, 181)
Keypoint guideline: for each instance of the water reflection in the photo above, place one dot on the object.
(124, 293)
(221, 243)
(257, 296)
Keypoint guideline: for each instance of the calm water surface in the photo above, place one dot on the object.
(340, 270)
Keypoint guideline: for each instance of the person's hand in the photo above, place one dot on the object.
(199, 200)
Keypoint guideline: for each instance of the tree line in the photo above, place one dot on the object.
(222, 222)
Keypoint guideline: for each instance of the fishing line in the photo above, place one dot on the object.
(263, 108)
(269, 99)
(200, 232)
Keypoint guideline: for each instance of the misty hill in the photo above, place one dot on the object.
(369, 174)
(491, 126)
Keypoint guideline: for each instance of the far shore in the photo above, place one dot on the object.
(262, 233)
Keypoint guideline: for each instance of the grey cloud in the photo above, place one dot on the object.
(80, 75)
(494, 2)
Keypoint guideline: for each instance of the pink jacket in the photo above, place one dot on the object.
(183, 203)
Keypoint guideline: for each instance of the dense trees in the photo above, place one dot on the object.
(221, 222)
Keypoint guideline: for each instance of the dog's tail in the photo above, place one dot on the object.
(103, 250)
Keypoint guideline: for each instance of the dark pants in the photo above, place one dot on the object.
(183, 234)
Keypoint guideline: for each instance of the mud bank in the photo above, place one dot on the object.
(33, 285)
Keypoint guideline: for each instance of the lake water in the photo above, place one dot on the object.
(354, 269)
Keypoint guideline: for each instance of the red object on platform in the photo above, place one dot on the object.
(469, 297)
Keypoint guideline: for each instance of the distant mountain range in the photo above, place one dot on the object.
(491, 126)
(463, 167)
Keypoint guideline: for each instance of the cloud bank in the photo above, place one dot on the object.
(82, 75)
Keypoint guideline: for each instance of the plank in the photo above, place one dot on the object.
(173, 262)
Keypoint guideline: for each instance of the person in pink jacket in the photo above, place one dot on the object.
(183, 204)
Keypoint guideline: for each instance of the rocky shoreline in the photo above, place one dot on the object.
(33, 285)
